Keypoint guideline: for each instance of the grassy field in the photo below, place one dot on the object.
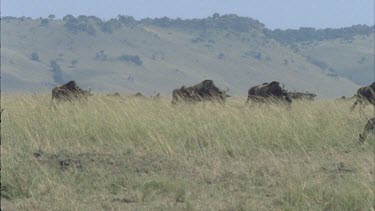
(116, 154)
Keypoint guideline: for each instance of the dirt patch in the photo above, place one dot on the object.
(142, 164)
(65, 161)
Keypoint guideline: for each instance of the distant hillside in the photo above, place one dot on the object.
(346, 52)
(352, 59)
(308, 34)
(158, 55)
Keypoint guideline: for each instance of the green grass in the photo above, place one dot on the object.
(136, 154)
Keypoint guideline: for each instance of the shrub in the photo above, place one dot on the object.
(56, 72)
(221, 56)
(101, 56)
(130, 58)
(44, 22)
(34, 56)
(80, 24)
(74, 62)
(253, 54)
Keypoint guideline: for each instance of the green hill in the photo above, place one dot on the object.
(352, 59)
(158, 55)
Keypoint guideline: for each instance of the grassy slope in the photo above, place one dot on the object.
(353, 60)
(132, 154)
(177, 60)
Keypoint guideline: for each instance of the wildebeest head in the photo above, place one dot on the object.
(223, 94)
(365, 95)
(373, 86)
(87, 93)
(116, 94)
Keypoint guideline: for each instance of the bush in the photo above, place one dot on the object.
(80, 24)
(56, 72)
(34, 56)
(305, 34)
(44, 22)
(253, 54)
(130, 58)
(221, 56)
(101, 56)
(74, 62)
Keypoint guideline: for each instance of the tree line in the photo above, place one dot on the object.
(230, 22)
(305, 34)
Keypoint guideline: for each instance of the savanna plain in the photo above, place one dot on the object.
(135, 154)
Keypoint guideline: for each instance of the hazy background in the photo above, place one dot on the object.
(273, 13)
(325, 47)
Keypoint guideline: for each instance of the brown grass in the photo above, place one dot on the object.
(116, 154)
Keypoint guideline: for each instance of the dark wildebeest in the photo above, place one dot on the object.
(1, 113)
(116, 94)
(272, 91)
(369, 128)
(69, 92)
(344, 98)
(365, 95)
(204, 91)
(138, 94)
(302, 96)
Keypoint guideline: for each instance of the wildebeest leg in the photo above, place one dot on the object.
(361, 111)
(52, 104)
(369, 127)
(355, 104)
(248, 100)
(363, 136)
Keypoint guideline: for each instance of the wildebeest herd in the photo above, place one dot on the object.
(208, 91)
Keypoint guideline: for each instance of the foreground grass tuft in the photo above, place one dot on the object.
(140, 154)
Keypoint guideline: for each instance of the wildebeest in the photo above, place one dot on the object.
(266, 91)
(369, 128)
(1, 111)
(138, 94)
(204, 91)
(302, 96)
(365, 95)
(70, 92)
(116, 94)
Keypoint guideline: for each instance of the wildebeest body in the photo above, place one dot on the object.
(369, 128)
(69, 92)
(204, 91)
(265, 91)
(365, 95)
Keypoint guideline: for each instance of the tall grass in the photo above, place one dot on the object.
(115, 153)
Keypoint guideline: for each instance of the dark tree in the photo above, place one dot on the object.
(34, 56)
(130, 58)
(56, 72)
(44, 22)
